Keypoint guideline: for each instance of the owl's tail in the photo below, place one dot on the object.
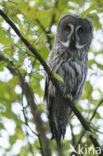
(58, 114)
(58, 130)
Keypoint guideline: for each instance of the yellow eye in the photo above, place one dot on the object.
(68, 28)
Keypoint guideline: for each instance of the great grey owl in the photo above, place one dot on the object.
(69, 59)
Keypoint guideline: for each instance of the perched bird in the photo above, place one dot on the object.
(69, 59)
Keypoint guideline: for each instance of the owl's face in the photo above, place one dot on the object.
(74, 31)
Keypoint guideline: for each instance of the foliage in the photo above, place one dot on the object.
(36, 21)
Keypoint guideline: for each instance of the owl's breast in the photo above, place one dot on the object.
(74, 76)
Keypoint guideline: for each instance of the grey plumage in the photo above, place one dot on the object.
(69, 59)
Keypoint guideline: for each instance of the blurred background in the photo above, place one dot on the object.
(22, 76)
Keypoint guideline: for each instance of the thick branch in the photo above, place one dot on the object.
(52, 78)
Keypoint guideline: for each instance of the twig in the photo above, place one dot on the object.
(73, 136)
(12, 2)
(53, 79)
(30, 146)
(96, 109)
(90, 120)
(98, 131)
(26, 123)
(76, 145)
(53, 15)
(47, 33)
(41, 25)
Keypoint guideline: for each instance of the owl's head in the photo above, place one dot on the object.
(75, 32)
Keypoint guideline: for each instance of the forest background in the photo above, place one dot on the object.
(24, 128)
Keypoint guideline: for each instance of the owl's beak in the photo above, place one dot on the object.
(73, 38)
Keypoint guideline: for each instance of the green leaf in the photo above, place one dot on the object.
(21, 55)
(87, 90)
(2, 65)
(96, 22)
(12, 139)
(92, 134)
(86, 12)
(58, 77)
(100, 66)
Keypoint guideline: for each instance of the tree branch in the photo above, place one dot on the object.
(26, 123)
(53, 15)
(47, 33)
(44, 142)
(52, 78)
(40, 24)
(73, 136)
(83, 133)
(96, 109)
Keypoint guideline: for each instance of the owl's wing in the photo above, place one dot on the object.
(46, 88)
(47, 80)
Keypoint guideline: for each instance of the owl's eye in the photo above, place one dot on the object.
(68, 28)
(80, 30)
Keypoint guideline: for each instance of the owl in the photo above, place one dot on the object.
(69, 59)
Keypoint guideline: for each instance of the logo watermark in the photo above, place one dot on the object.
(85, 150)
